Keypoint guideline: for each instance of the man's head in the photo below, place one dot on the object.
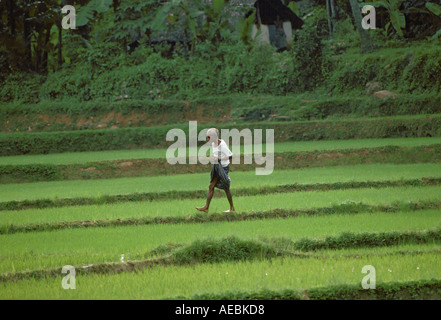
(212, 134)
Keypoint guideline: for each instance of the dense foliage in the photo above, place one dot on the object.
(187, 49)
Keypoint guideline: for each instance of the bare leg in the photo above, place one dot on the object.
(230, 200)
(210, 194)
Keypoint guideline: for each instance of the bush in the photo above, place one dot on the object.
(68, 83)
(34, 172)
(154, 137)
(370, 107)
(414, 70)
(22, 87)
(360, 240)
(228, 249)
(263, 294)
(99, 74)
(308, 59)
(421, 290)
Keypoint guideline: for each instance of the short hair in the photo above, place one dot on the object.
(213, 131)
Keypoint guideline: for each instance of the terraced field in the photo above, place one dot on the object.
(88, 157)
(304, 232)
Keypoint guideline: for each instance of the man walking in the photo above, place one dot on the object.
(221, 155)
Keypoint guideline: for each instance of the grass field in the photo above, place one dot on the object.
(94, 188)
(277, 274)
(403, 244)
(180, 208)
(86, 157)
(82, 246)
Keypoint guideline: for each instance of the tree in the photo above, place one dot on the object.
(366, 43)
(133, 20)
(199, 20)
(397, 18)
(331, 9)
(28, 32)
(87, 12)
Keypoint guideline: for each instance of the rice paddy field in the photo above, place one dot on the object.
(303, 233)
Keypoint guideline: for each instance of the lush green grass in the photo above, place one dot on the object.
(94, 188)
(404, 262)
(82, 246)
(298, 146)
(281, 273)
(308, 199)
(400, 249)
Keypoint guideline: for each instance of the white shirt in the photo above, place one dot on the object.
(222, 151)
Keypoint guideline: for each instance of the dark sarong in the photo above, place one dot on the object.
(222, 172)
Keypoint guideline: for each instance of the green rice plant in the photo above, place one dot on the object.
(238, 276)
(217, 251)
(124, 186)
(177, 195)
(335, 200)
(349, 239)
(42, 250)
(343, 208)
(159, 167)
(409, 290)
(298, 146)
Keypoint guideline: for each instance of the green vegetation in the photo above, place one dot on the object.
(76, 189)
(418, 290)
(139, 213)
(297, 146)
(423, 152)
(84, 182)
(331, 228)
(188, 281)
(153, 137)
(50, 249)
